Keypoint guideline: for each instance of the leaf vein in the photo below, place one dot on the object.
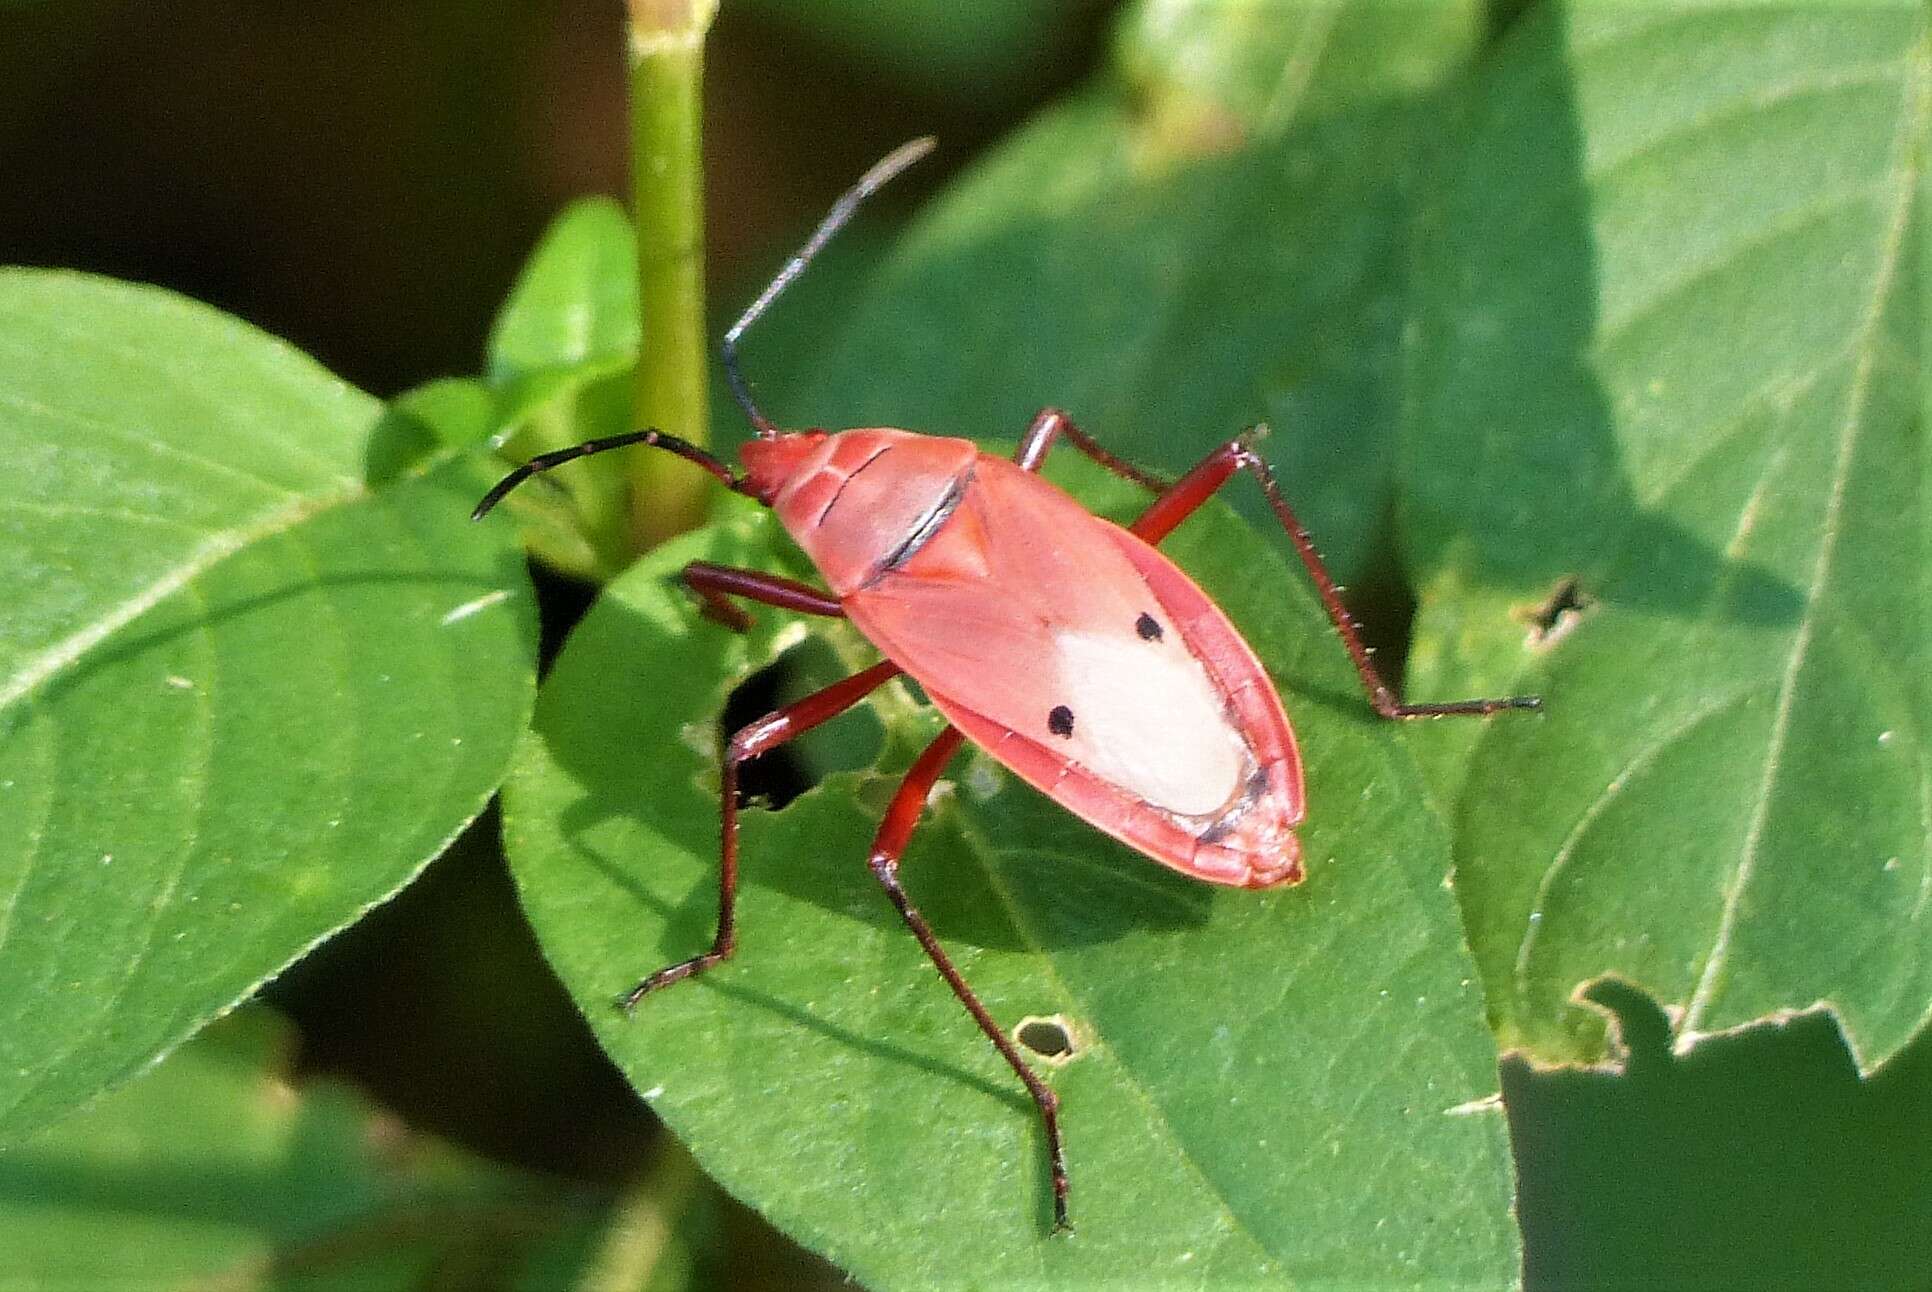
(52, 1066)
(1891, 257)
(1613, 789)
(1694, 276)
(98, 513)
(1715, 437)
(37, 670)
(1603, 172)
(36, 835)
(85, 342)
(160, 448)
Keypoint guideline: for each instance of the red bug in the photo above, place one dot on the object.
(1067, 647)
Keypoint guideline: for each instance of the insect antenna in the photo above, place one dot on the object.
(656, 439)
(883, 172)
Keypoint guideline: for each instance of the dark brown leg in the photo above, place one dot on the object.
(767, 733)
(887, 847)
(1049, 424)
(1200, 484)
(713, 583)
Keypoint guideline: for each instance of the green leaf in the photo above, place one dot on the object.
(577, 298)
(1268, 1086)
(243, 696)
(420, 424)
(216, 1170)
(1668, 345)
(1210, 236)
(560, 357)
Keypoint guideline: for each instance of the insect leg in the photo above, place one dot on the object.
(755, 738)
(1049, 424)
(713, 583)
(1198, 485)
(887, 847)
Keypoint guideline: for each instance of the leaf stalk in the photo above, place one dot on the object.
(667, 188)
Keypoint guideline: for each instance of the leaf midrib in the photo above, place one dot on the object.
(51, 661)
(294, 517)
(1911, 123)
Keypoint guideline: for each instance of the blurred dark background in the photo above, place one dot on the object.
(364, 178)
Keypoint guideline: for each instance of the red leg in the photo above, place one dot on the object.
(713, 583)
(1198, 485)
(1049, 424)
(755, 738)
(894, 832)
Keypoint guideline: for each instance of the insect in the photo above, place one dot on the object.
(1066, 647)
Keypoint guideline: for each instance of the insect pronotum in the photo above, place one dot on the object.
(1067, 647)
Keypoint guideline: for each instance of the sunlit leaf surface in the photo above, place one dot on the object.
(1668, 367)
(243, 695)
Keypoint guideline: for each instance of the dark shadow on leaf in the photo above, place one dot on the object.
(1138, 355)
(815, 849)
(1352, 706)
(688, 930)
(1548, 494)
(1010, 1094)
(401, 440)
(1662, 566)
(1758, 1160)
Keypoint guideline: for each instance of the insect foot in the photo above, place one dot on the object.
(670, 974)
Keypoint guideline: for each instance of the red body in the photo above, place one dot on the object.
(1068, 648)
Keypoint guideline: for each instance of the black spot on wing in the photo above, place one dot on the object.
(1148, 627)
(1060, 721)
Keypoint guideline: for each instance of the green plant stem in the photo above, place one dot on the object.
(667, 186)
(643, 1222)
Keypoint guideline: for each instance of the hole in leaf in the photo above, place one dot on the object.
(850, 741)
(1552, 619)
(1049, 1037)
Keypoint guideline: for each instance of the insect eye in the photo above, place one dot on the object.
(1148, 627)
(1060, 720)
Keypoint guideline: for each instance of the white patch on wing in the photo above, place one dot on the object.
(1147, 718)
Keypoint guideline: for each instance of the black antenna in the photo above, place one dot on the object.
(883, 172)
(656, 439)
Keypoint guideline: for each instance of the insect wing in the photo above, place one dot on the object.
(1089, 664)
